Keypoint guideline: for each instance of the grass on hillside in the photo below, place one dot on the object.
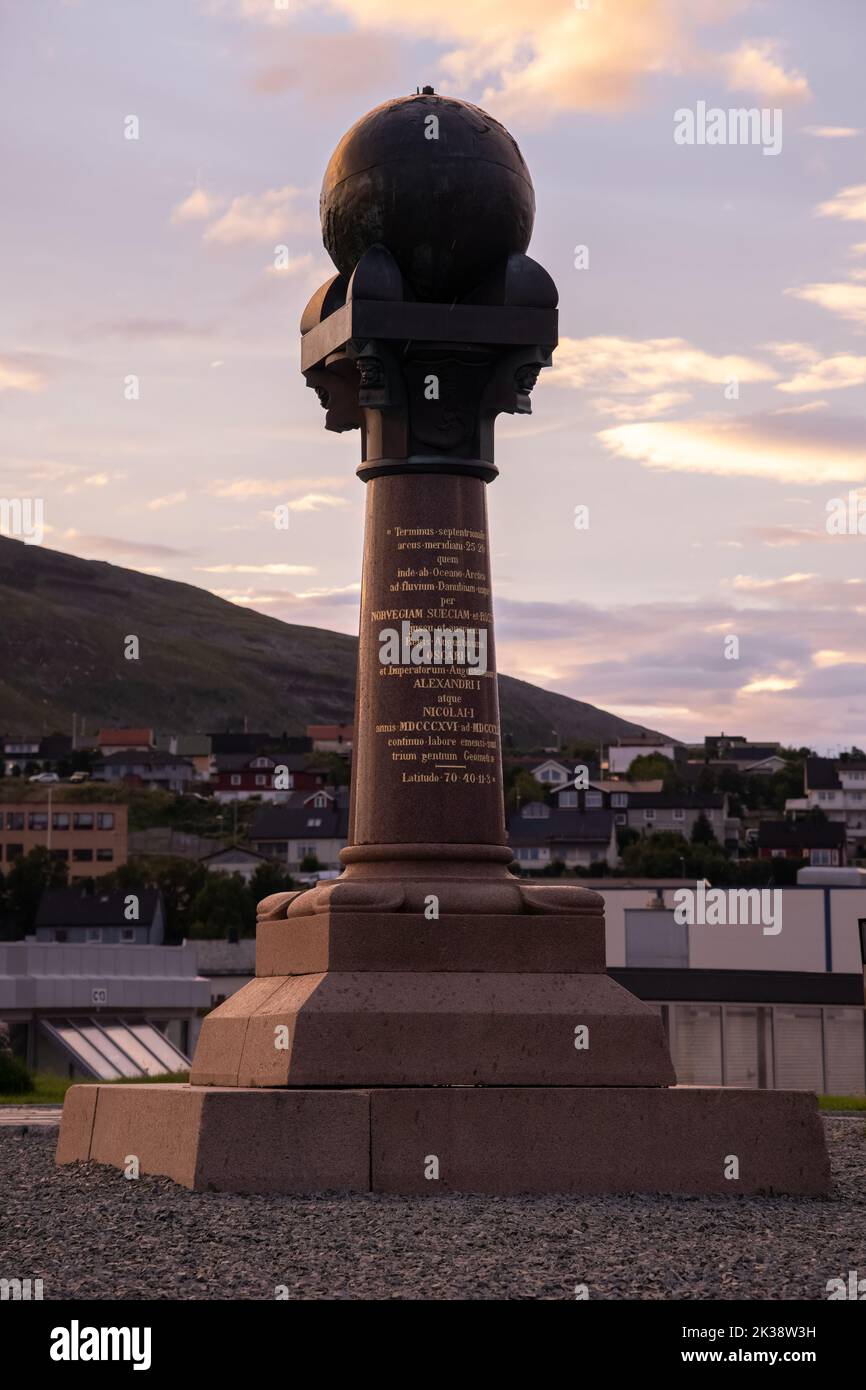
(51, 1090)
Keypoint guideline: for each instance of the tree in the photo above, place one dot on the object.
(310, 864)
(702, 831)
(648, 767)
(31, 874)
(222, 906)
(269, 877)
(524, 788)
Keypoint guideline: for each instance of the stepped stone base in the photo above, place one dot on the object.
(367, 1028)
(497, 1140)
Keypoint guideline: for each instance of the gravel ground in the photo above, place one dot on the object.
(89, 1233)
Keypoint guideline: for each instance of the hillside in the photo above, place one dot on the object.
(205, 663)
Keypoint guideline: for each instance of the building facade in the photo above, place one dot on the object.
(91, 837)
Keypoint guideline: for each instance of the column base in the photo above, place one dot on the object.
(427, 1141)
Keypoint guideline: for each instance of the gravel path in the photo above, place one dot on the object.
(89, 1233)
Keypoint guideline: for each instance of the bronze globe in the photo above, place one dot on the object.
(450, 197)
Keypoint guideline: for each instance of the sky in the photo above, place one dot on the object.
(704, 416)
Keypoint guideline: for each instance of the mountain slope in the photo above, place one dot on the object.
(204, 663)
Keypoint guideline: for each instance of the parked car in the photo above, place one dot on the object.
(80, 777)
(44, 777)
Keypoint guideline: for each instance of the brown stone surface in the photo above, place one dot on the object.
(411, 941)
(225, 1139)
(158, 1124)
(496, 1140)
(218, 1050)
(423, 1028)
(598, 1140)
(79, 1110)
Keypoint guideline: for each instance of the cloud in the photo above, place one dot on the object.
(658, 403)
(257, 569)
(849, 204)
(782, 450)
(89, 547)
(833, 374)
(198, 207)
(271, 487)
(754, 68)
(15, 375)
(261, 217)
(632, 365)
(844, 298)
(550, 56)
(831, 132)
(316, 65)
(762, 684)
(780, 537)
(172, 499)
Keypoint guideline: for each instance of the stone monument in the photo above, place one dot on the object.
(428, 1021)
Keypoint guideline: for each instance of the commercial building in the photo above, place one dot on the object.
(91, 837)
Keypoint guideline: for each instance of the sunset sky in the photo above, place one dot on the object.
(707, 264)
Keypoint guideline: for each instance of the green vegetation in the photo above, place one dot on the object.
(842, 1102)
(51, 1090)
(198, 902)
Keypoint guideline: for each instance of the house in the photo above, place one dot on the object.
(133, 917)
(599, 790)
(541, 835)
(331, 738)
(43, 752)
(233, 860)
(91, 837)
(294, 833)
(195, 748)
(265, 776)
(838, 788)
(821, 842)
(551, 773)
(162, 771)
(622, 754)
(645, 807)
(110, 741)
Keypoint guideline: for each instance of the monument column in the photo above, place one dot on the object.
(429, 1021)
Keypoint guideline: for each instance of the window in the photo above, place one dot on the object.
(621, 818)
(37, 820)
(105, 820)
(823, 857)
(261, 780)
(261, 762)
(127, 935)
(94, 933)
(235, 779)
(535, 810)
(60, 934)
(679, 813)
(619, 799)
(649, 815)
(568, 798)
(105, 856)
(61, 820)
(14, 820)
(82, 820)
(826, 796)
(14, 851)
(304, 850)
(594, 799)
(61, 854)
(82, 856)
(313, 821)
